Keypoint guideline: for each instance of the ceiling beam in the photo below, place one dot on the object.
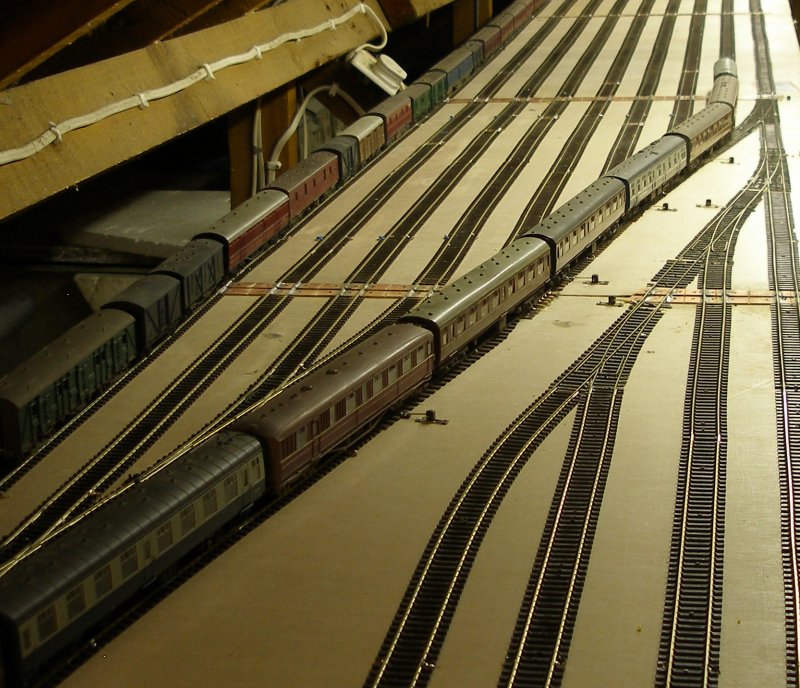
(34, 30)
(398, 12)
(28, 111)
(137, 26)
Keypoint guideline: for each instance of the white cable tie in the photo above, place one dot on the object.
(362, 7)
(258, 51)
(143, 102)
(209, 71)
(54, 128)
(274, 164)
(332, 24)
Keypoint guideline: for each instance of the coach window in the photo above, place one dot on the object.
(47, 622)
(209, 503)
(164, 536)
(76, 601)
(103, 581)
(187, 519)
(359, 396)
(129, 562)
(288, 445)
(231, 487)
(325, 419)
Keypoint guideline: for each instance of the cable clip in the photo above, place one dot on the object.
(258, 51)
(274, 165)
(54, 128)
(143, 102)
(332, 24)
(209, 71)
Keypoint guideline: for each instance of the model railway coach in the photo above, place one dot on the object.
(54, 597)
(33, 406)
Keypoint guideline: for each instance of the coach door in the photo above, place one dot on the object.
(317, 429)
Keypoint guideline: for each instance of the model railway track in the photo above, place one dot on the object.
(549, 191)
(541, 641)
(691, 66)
(116, 459)
(331, 244)
(783, 274)
(409, 652)
(410, 649)
(627, 140)
(689, 652)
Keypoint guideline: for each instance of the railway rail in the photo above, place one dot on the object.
(114, 460)
(595, 384)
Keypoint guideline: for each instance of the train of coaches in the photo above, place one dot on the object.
(57, 382)
(53, 598)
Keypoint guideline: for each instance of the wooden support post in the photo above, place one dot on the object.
(468, 17)
(277, 110)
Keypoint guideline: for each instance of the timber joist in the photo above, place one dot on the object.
(31, 110)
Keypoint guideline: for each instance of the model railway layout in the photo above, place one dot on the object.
(52, 599)
(311, 417)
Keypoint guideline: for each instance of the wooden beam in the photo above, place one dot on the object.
(27, 111)
(137, 26)
(402, 12)
(224, 12)
(398, 12)
(468, 17)
(34, 30)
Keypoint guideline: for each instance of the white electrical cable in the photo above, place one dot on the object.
(273, 164)
(208, 71)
